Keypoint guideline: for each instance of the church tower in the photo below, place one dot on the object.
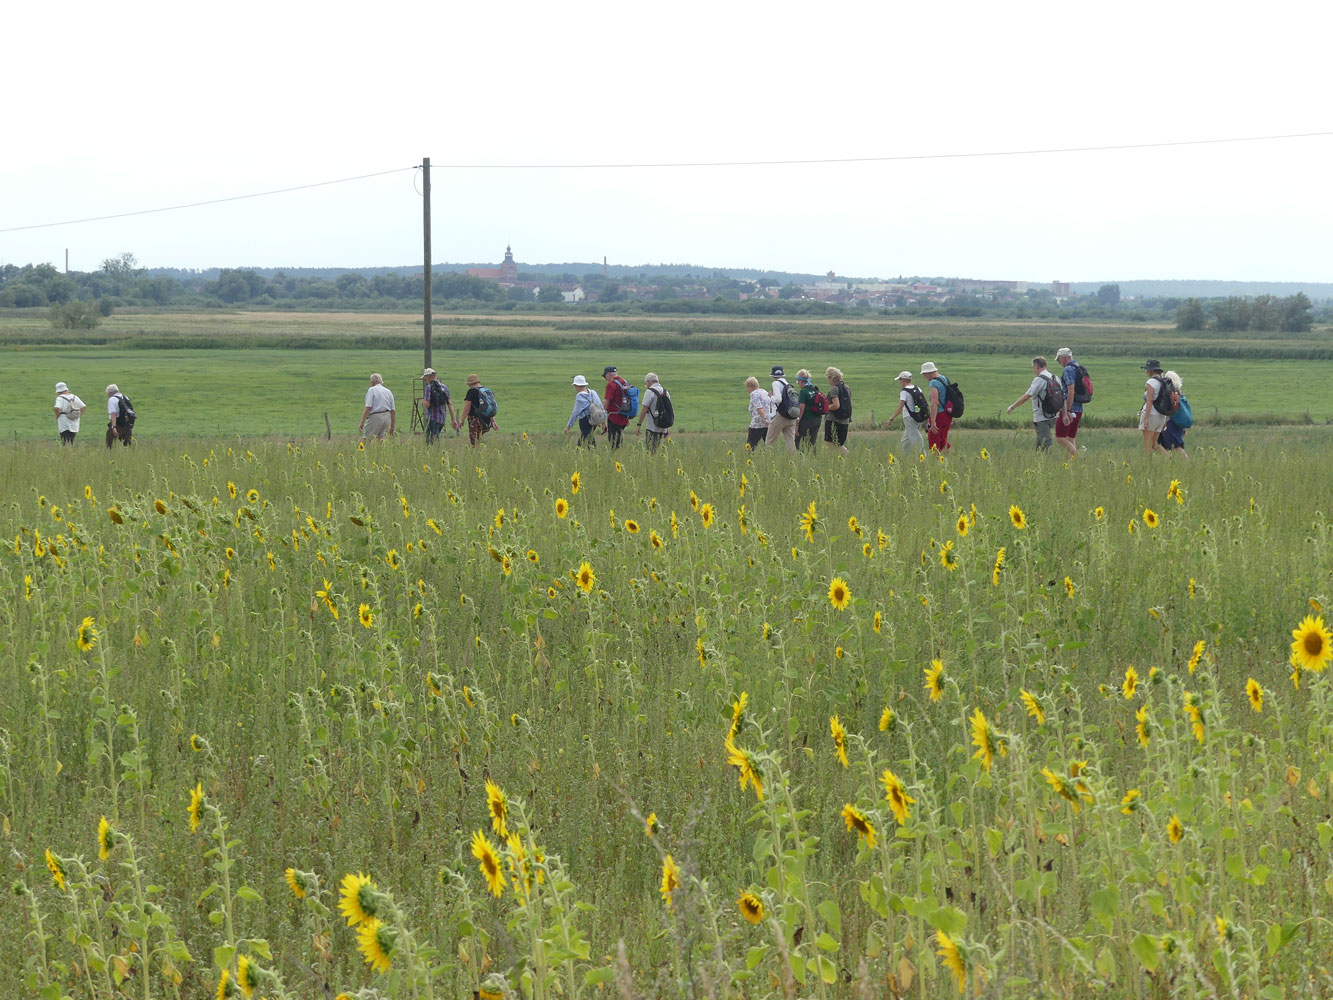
(508, 269)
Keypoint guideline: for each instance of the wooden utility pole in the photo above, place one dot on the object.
(425, 239)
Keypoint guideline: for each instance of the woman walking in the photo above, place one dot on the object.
(584, 401)
(759, 415)
(68, 409)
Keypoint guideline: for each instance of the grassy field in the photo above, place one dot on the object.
(981, 726)
(244, 374)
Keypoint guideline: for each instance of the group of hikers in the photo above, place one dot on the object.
(786, 412)
(69, 410)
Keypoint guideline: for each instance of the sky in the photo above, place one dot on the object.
(114, 110)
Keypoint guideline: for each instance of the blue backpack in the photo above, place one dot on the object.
(1184, 416)
(486, 405)
(629, 401)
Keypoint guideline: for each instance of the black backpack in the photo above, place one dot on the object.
(790, 403)
(1053, 398)
(843, 414)
(664, 414)
(1082, 385)
(1168, 396)
(124, 410)
(439, 394)
(953, 399)
(920, 410)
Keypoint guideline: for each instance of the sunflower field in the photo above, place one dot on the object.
(314, 720)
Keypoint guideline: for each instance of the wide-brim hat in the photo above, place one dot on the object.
(61, 387)
(473, 380)
(1152, 365)
(580, 380)
(929, 368)
(905, 375)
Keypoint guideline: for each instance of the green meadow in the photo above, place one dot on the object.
(249, 374)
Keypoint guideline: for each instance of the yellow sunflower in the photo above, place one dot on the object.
(1017, 518)
(488, 862)
(632, 526)
(391, 557)
(951, 959)
(670, 879)
(886, 718)
(586, 578)
(839, 594)
(839, 735)
(747, 768)
(1130, 803)
(87, 637)
(983, 738)
(561, 507)
(1131, 683)
(366, 616)
(948, 558)
(1069, 588)
(650, 825)
(106, 838)
(858, 821)
(999, 568)
(196, 806)
(877, 622)
(376, 943)
(1033, 707)
(575, 484)
(1311, 644)
(963, 525)
(751, 907)
(497, 807)
(357, 900)
(896, 794)
(57, 868)
(694, 501)
(935, 680)
(295, 882)
(1175, 830)
(707, 515)
(854, 526)
(1150, 517)
(1143, 727)
(533, 557)
(1255, 694)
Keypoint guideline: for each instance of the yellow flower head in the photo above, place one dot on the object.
(951, 959)
(854, 526)
(296, 882)
(497, 807)
(650, 825)
(196, 806)
(747, 767)
(751, 907)
(1143, 728)
(88, 633)
(376, 941)
(1311, 644)
(963, 525)
(366, 616)
(1017, 517)
(1033, 707)
(488, 862)
(1099, 512)
(707, 515)
(948, 558)
(983, 738)
(1131, 683)
(1175, 830)
(886, 718)
(858, 821)
(106, 838)
(631, 525)
(1150, 517)
(57, 868)
(935, 680)
(1130, 803)
(561, 507)
(1255, 694)
(358, 901)
(899, 801)
(877, 622)
(839, 735)
(999, 568)
(670, 880)
(575, 484)
(586, 578)
(839, 594)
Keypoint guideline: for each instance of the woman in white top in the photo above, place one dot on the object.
(68, 409)
(761, 405)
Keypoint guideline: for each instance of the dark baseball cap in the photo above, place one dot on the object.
(609, 370)
(778, 372)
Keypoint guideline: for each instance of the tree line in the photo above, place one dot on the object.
(1234, 314)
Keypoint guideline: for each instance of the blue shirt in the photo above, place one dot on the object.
(1070, 380)
(582, 403)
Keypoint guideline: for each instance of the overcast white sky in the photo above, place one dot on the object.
(116, 109)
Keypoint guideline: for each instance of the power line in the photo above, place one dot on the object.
(874, 159)
(214, 201)
(674, 165)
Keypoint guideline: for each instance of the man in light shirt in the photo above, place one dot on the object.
(118, 426)
(68, 409)
(379, 415)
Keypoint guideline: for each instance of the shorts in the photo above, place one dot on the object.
(1151, 420)
(1172, 437)
(835, 429)
(1068, 430)
(1043, 429)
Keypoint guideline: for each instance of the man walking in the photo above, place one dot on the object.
(1066, 426)
(437, 403)
(782, 424)
(916, 412)
(941, 412)
(119, 417)
(658, 410)
(614, 400)
(379, 416)
(1044, 384)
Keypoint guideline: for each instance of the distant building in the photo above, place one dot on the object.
(576, 295)
(982, 287)
(506, 274)
(1060, 289)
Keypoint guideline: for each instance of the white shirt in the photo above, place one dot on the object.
(379, 399)
(71, 408)
(1037, 390)
(113, 406)
(649, 401)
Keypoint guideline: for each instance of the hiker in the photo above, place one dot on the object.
(588, 411)
(786, 401)
(916, 412)
(437, 401)
(658, 410)
(68, 411)
(814, 405)
(119, 417)
(941, 410)
(1077, 386)
(479, 409)
(618, 405)
(379, 415)
(1047, 400)
(839, 416)
(761, 410)
(1155, 414)
(1172, 438)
